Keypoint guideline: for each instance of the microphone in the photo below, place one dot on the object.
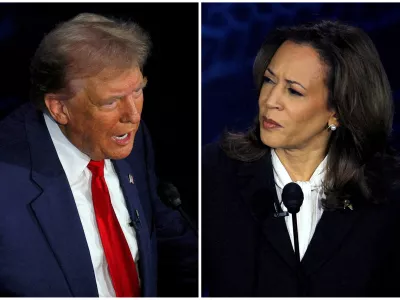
(169, 195)
(292, 198)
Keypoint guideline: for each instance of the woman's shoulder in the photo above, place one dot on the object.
(214, 157)
(383, 176)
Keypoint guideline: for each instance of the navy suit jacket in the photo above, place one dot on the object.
(246, 251)
(43, 250)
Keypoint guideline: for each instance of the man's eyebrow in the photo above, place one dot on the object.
(287, 80)
(142, 85)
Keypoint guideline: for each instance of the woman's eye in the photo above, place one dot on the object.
(267, 80)
(294, 92)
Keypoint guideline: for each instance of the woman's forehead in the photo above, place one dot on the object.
(298, 62)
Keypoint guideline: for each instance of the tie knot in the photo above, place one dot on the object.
(96, 167)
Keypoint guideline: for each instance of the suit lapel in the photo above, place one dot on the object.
(256, 182)
(138, 217)
(55, 211)
(329, 235)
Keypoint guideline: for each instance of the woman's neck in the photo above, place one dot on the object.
(300, 163)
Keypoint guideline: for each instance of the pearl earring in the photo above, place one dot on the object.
(332, 127)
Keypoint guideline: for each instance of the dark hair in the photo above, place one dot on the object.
(359, 92)
(83, 47)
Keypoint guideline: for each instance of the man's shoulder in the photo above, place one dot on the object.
(13, 136)
(14, 146)
(12, 127)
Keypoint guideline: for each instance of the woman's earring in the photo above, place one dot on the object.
(332, 127)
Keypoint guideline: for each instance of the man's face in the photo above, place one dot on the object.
(104, 115)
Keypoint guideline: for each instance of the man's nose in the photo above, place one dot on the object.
(130, 113)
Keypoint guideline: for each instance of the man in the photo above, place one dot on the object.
(79, 211)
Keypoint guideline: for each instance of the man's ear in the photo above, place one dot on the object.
(57, 108)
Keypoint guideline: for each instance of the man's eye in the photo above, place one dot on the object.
(138, 92)
(111, 103)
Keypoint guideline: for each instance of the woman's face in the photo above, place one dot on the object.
(295, 96)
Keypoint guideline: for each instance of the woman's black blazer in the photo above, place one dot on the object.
(246, 251)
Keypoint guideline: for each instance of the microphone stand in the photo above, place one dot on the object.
(296, 239)
(187, 219)
(292, 198)
(169, 195)
(297, 255)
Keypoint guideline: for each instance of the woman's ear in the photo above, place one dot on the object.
(333, 120)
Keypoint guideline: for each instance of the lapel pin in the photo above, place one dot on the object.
(131, 179)
(347, 204)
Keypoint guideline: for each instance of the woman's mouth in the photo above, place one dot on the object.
(270, 124)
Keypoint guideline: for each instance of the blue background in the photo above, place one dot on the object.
(233, 33)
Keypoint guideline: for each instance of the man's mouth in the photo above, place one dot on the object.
(121, 137)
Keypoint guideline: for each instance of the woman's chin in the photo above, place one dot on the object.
(271, 142)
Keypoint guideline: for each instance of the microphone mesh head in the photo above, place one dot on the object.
(292, 197)
(169, 194)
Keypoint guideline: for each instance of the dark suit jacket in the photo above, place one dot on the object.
(246, 251)
(43, 250)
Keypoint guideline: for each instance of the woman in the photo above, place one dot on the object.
(325, 118)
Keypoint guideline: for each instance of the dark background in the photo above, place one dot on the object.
(171, 96)
(233, 33)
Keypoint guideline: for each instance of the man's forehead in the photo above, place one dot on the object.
(111, 81)
(111, 75)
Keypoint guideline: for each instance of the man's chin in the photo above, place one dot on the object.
(121, 153)
(118, 157)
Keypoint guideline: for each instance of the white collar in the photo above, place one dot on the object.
(72, 159)
(282, 177)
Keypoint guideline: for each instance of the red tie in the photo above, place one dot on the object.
(121, 265)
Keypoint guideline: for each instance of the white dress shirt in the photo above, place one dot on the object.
(79, 177)
(311, 210)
